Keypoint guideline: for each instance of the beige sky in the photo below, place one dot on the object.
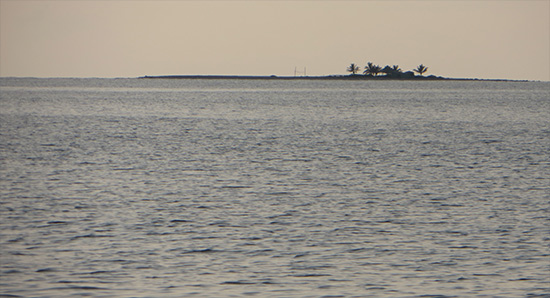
(474, 39)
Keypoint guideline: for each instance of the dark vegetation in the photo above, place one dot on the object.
(392, 72)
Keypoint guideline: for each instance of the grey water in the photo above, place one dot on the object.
(274, 188)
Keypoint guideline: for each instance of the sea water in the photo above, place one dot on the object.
(274, 188)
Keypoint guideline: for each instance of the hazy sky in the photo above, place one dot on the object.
(475, 39)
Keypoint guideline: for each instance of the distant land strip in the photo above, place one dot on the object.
(329, 77)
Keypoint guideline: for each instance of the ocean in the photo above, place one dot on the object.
(274, 188)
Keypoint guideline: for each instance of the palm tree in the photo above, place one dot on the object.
(396, 68)
(387, 70)
(372, 69)
(353, 68)
(421, 69)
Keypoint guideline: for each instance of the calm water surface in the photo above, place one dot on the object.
(232, 188)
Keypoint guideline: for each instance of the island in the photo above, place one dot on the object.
(371, 72)
(327, 77)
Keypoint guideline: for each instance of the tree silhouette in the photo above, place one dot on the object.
(387, 70)
(353, 68)
(372, 69)
(421, 69)
(392, 72)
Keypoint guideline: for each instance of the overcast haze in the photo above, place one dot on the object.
(472, 39)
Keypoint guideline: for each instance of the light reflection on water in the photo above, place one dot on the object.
(170, 188)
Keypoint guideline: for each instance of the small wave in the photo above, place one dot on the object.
(434, 296)
(90, 236)
(78, 288)
(463, 247)
(238, 282)
(206, 250)
(46, 270)
(57, 222)
(311, 275)
(235, 186)
(179, 220)
(280, 215)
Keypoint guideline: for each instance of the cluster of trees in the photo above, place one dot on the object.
(373, 69)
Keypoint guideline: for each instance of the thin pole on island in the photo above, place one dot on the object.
(296, 72)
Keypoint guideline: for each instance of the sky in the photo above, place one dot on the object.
(461, 39)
